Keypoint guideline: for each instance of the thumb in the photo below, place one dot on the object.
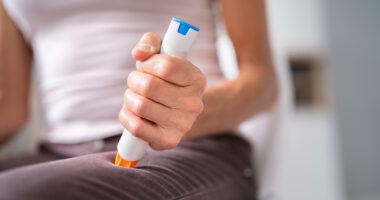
(149, 44)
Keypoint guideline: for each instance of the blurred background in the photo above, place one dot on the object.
(326, 148)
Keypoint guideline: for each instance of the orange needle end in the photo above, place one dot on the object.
(119, 161)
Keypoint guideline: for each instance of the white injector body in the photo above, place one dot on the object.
(178, 40)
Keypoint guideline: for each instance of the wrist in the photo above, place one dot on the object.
(230, 102)
(219, 100)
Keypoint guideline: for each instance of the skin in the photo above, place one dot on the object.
(167, 99)
(15, 60)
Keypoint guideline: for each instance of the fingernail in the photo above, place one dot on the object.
(144, 48)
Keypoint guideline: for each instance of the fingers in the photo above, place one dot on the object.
(173, 69)
(140, 127)
(164, 96)
(162, 116)
(147, 131)
(172, 96)
(149, 45)
(156, 89)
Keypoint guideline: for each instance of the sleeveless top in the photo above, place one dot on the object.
(82, 56)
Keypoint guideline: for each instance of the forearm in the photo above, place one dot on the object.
(231, 102)
(12, 116)
(255, 89)
(15, 59)
(13, 103)
(10, 121)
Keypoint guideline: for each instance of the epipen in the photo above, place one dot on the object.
(178, 40)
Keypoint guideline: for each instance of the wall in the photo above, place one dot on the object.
(307, 161)
(354, 58)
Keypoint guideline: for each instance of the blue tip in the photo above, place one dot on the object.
(184, 27)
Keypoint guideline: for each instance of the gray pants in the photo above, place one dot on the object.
(217, 167)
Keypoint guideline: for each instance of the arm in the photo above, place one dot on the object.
(166, 99)
(255, 89)
(15, 59)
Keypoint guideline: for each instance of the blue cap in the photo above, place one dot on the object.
(184, 27)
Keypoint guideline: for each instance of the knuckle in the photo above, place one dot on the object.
(121, 117)
(148, 86)
(170, 144)
(139, 106)
(200, 107)
(151, 35)
(196, 106)
(125, 98)
(132, 76)
(136, 127)
(201, 80)
(167, 66)
(184, 126)
(152, 39)
(156, 147)
(129, 79)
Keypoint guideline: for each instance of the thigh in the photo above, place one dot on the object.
(211, 168)
(50, 152)
(25, 160)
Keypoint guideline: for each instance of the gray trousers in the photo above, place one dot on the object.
(217, 167)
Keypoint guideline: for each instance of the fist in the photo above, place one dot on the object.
(164, 95)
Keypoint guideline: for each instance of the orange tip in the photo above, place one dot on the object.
(119, 161)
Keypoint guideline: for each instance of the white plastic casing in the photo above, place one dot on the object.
(175, 43)
(130, 147)
(178, 41)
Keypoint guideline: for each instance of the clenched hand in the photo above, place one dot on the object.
(164, 95)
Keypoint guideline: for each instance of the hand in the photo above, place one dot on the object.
(164, 95)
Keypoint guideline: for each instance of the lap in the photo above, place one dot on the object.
(25, 160)
(211, 168)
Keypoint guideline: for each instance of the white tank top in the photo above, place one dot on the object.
(82, 56)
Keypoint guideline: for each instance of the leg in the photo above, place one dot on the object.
(211, 168)
(39, 157)
(51, 152)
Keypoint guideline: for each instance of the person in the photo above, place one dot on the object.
(91, 88)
